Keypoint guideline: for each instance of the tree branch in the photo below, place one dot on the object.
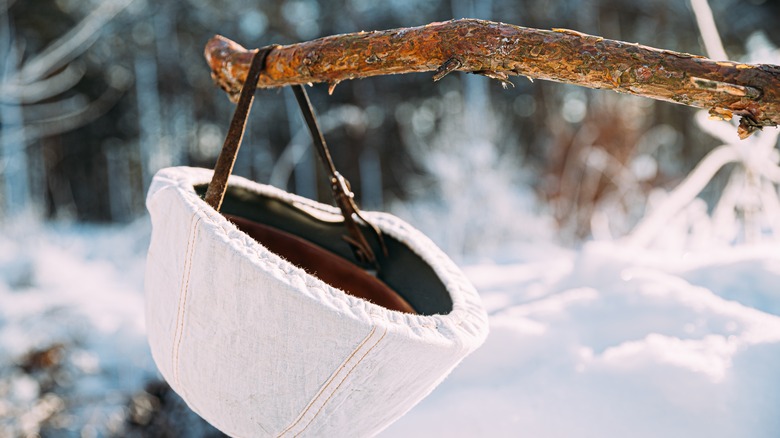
(498, 50)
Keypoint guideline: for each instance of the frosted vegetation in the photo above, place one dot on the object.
(628, 252)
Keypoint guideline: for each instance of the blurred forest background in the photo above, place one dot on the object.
(96, 95)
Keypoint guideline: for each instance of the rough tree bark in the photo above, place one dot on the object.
(498, 50)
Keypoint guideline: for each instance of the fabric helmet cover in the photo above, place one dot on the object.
(260, 347)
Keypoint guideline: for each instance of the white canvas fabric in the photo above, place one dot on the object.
(259, 347)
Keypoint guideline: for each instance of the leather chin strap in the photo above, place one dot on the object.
(227, 157)
(342, 193)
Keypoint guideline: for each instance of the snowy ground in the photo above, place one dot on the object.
(606, 341)
(610, 342)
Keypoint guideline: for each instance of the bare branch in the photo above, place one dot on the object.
(45, 88)
(119, 82)
(72, 44)
(497, 50)
(709, 32)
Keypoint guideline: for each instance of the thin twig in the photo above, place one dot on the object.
(709, 32)
(73, 43)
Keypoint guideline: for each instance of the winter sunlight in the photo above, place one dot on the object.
(626, 250)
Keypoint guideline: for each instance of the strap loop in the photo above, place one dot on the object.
(342, 193)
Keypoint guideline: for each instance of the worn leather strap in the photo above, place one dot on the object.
(227, 157)
(342, 193)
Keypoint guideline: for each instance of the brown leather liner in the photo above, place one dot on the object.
(330, 268)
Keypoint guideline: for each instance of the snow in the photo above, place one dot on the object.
(613, 341)
(77, 289)
(609, 340)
